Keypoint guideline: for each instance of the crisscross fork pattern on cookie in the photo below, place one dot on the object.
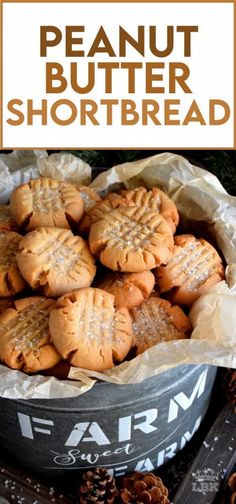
(152, 324)
(135, 233)
(62, 251)
(142, 197)
(96, 322)
(46, 196)
(29, 328)
(192, 265)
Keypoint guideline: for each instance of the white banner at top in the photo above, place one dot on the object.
(121, 75)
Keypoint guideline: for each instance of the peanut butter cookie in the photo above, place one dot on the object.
(194, 267)
(46, 202)
(55, 261)
(24, 335)
(131, 239)
(156, 321)
(129, 289)
(11, 281)
(88, 331)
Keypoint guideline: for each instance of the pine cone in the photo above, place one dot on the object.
(230, 386)
(230, 490)
(143, 488)
(97, 486)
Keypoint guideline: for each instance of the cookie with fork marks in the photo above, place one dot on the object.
(156, 321)
(24, 334)
(89, 331)
(55, 261)
(131, 239)
(194, 267)
(46, 202)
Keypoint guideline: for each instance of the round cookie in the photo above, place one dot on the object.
(11, 281)
(24, 335)
(156, 321)
(155, 199)
(88, 331)
(129, 289)
(194, 267)
(46, 202)
(55, 261)
(7, 221)
(131, 239)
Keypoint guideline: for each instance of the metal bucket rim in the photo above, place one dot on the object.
(91, 407)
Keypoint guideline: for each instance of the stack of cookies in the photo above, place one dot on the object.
(94, 282)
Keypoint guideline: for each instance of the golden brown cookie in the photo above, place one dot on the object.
(129, 289)
(194, 267)
(156, 321)
(131, 239)
(11, 281)
(55, 261)
(24, 335)
(88, 331)
(46, 202)
(155, 199)
(7, 221)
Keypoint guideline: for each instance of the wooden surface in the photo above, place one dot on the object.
(215, 459)
(20, 487)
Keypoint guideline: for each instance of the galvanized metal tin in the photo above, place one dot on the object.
(124, 428)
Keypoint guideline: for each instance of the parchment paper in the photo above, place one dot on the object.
(19, 167)
(200, 198)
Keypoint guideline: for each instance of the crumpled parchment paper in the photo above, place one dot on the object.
(200, 198)
(19, 167)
